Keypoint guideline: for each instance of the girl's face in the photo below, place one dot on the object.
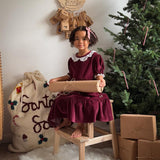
(81, 42)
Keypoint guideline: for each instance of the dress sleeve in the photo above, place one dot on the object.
(69, 68)
(98, 66)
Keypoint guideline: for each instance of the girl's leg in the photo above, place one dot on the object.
(65, 123)
(79, 131)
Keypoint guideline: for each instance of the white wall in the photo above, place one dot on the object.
(29, 42)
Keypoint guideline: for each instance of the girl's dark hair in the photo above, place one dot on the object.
(93, 37)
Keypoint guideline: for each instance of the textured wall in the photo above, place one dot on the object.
(29, 42)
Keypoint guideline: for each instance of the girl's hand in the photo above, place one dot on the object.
(102, 83)
(52, 80)
(62, 78)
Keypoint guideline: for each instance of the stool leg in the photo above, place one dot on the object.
(56, 143)
(90, 130)
(114, 139)
(82, 151)
(114, 135)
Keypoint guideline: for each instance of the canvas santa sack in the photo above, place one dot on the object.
(29, 105)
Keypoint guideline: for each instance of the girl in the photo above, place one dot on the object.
(75, 106)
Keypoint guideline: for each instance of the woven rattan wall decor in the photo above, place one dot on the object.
(72, 5)
(67, 19)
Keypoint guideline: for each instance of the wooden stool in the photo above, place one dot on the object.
(88, 139)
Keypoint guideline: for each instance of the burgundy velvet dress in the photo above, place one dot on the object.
(82, 107)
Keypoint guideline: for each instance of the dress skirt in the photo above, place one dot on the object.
(80, 107)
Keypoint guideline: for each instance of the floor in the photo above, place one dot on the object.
(6, 155)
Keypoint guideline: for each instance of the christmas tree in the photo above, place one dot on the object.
(133, 81)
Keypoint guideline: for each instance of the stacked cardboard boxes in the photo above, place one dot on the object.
(127, 148)
(138, 137)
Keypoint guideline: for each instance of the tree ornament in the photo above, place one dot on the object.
(114, 55)
(125, 79)
(144, 5)
(145, 35)
(155, 86)
(126, 26)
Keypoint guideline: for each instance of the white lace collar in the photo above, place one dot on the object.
(84, 58)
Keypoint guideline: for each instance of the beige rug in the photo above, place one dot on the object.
(68, 152)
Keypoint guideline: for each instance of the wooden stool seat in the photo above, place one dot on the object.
(88, 138)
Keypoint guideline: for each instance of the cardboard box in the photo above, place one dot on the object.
(148, 150)
(127, 149)
(135, 126)
(81, 86)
